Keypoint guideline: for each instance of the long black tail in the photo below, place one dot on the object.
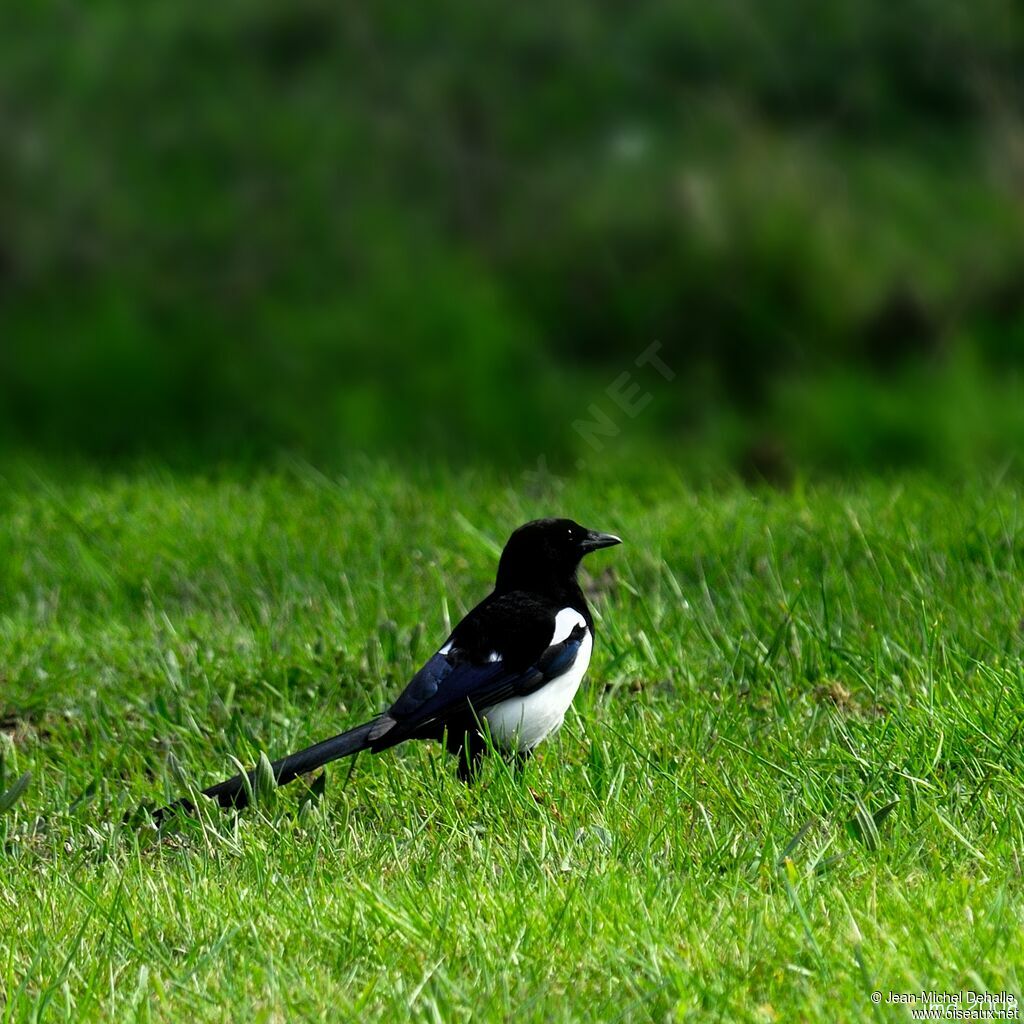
(235, 793)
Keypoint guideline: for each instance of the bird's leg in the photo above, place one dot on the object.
(469, 749)
(470, 759)
(517, 759)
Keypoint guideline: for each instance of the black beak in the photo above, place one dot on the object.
(594, 541)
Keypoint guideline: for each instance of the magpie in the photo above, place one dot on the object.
(505, 677)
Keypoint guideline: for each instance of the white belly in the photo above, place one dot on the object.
(522, 722)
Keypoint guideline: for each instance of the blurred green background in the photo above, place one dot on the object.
(231, 230)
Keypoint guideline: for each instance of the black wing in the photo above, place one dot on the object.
(502, 649)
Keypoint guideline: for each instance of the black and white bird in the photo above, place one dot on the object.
(507, 673)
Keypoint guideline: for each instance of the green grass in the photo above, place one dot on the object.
(793, 776)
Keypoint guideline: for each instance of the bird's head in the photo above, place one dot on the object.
(547, 551)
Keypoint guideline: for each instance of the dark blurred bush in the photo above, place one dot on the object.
(231, 228)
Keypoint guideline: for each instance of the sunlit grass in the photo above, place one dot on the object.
(794, 775)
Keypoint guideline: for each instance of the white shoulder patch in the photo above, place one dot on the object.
(493, 657)
(446, 649)
(565, 622)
